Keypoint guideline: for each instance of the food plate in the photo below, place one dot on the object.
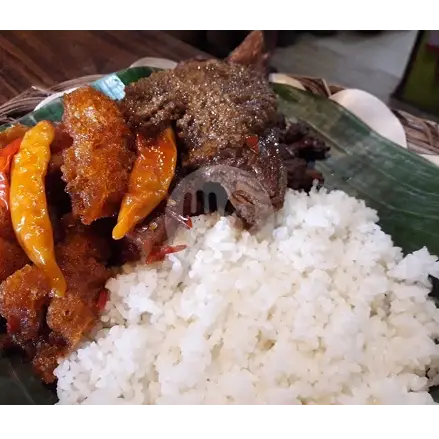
(158, 63)
(373, 112)
(51, 98)
(400, 185)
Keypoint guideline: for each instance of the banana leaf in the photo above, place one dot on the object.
(401, 186)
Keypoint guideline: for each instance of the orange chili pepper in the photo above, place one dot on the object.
(149, 181)
(29, 213)
(6, 155)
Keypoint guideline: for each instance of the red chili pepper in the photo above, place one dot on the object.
(159, 254)
(188, 222)
(252, 142)
(185, 220)
(102, 300)
(6, 155)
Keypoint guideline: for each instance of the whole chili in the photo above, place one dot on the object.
(28, 204)
(149, 181)
(6, 155)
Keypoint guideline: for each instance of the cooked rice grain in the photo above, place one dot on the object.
(321, 310)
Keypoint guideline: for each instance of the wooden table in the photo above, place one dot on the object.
(44, 58)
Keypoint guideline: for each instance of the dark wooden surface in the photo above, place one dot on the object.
(44, 58)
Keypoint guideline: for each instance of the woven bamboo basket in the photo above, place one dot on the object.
(422, 135)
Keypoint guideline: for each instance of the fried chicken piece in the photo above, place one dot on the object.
(80, 257)
(25, 297)
(61, 142)
(79, 243)
(71, 317)
(97, 166)
(251, 52)
(22, 297)
(48, 352)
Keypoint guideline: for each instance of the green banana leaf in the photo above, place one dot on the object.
(401, 186)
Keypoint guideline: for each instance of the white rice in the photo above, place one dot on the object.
(321, 310)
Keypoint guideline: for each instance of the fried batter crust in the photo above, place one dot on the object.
(97, 166)
(22, 297)
(25, 298)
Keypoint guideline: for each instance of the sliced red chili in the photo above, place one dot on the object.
(102, 300)
(253, 143)
(158, 254)
(185, 220)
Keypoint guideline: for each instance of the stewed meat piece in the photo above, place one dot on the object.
(218, 109)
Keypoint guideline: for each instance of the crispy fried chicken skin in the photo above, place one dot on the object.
(22, 297)
(97, 166)
(48, 328)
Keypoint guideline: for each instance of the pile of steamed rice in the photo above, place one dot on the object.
(322, 309)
